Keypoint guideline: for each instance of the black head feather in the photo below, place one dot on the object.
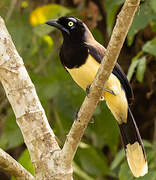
(72, 28)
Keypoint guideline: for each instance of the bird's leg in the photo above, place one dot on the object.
(88, 89)
(76, 116)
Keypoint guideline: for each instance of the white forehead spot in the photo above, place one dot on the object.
(73, 19)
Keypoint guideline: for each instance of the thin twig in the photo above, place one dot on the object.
(57, 118)
(13, 167)
(11, 9)
(120, 31)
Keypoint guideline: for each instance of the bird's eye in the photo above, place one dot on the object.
(70, 23)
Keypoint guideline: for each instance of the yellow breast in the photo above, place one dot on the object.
(85, 74)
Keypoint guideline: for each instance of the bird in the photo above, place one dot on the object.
(81, 56)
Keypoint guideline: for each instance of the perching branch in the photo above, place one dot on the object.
(13, 167)
(120, 31)
(29, 113)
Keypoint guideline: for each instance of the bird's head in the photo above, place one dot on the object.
(72, 28)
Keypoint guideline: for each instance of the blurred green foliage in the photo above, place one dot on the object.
(99, 156)
(25, 161)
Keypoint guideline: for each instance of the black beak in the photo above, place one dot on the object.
(54, 22)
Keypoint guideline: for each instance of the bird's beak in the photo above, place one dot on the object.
(54, 22)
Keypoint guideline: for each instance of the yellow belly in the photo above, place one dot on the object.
(84, 75)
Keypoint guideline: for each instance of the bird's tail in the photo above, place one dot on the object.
(133, 145)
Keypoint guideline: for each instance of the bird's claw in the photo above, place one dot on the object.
(88, 90)
(110, 91)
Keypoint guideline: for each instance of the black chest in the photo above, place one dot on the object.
(73, 56)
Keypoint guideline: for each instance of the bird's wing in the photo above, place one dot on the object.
(97, 51)
(117, 71)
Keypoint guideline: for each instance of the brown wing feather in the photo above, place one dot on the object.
(98, 51)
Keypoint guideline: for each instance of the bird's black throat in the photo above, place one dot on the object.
(73, 55)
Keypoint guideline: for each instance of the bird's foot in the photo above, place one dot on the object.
(110, 91)
(88, 90)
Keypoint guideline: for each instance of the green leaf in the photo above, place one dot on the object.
(133, 65)
(141, 67)
(11, 134)
(147, 144)
(104, 130)
(125, 173)
(140, 64)
(132, 69)
(25, 161)
(153, 5)
(118, 159)
(80, 173)
(92, 160)
(111, 10)
(143, 17)
(151, 153)
(150, 47)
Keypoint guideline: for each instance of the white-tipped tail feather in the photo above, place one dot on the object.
(136, 159)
